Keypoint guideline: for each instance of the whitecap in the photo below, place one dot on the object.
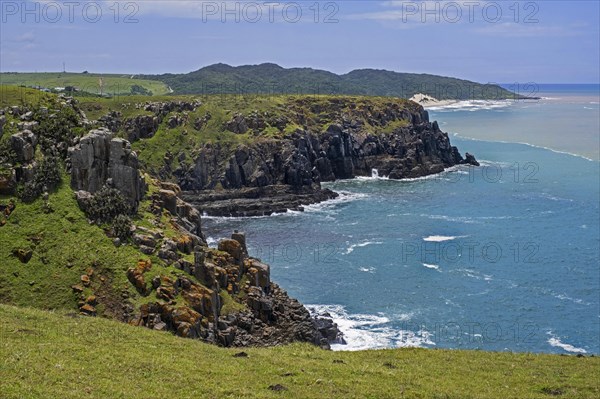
(365, 243)
(557, 343)
(367, 269)
(441, 238)
(430, 266)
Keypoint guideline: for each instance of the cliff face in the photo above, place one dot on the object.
(339, 139)
(134, 250)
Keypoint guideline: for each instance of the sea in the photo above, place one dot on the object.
(501, 257)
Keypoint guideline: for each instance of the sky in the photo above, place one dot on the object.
(485, 41)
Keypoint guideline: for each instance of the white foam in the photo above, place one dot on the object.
(367, 269)
(429, 266)
(364, 331)
(351, 248)
(343, 197)
(441, 238)
(472, 105)
(557, 343)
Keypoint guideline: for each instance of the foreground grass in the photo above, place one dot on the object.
(53, 355)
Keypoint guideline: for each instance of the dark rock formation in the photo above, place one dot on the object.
(141, 127)
(270, 317)
(99, 159)
(257, 201)
(274, 175)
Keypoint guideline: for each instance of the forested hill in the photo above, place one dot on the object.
(273, 79)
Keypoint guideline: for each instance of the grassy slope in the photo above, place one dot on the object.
(113, 84)
(64, 246)
(46, 354)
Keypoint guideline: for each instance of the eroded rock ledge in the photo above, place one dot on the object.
(285, 173)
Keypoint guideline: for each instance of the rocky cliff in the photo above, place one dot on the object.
(397, 141)
(178, 284)
(276, 158)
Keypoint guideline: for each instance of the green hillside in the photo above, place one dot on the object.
(273, 79)
(58, 355)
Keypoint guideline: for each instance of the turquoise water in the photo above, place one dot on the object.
(501, 257)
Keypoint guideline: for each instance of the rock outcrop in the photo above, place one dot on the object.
(99, 159)
(396, 140)
(23, 144)
(266, 315)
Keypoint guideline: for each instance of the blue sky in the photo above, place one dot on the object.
(486, 41)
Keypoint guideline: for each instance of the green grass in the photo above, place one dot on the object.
(52, 355)
(113, 84)
(65, 245)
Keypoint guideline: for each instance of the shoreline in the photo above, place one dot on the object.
(540, 147)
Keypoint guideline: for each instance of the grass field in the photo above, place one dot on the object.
(53, 355)
(87, 82)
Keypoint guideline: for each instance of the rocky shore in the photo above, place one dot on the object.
(273, 161)
(272, 175)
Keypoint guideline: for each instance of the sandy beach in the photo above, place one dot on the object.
(428, 101)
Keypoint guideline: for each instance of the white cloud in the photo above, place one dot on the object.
(425, 12)
(27, 37)
(511, 29)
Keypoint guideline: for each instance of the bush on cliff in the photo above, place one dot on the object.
(121, 227)
(56, 131)
(106, 205)
(47, 177)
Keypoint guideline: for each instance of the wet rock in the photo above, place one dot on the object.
(470, 160)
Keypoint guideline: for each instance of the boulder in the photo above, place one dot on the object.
(241, 238)
(169, 200)
(123, 170)
(23, 144)
(237, 124)
(141, 127)
(89, 161)
(23, 254)
(136, 276)
(470, 159)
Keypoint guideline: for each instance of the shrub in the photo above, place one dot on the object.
(47, 176)
(56, 129)
(121, 227)
(7, 154)
(106, 204)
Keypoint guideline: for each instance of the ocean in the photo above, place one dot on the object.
(503, 257)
